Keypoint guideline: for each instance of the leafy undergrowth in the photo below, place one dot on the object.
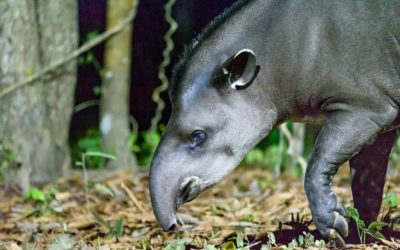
(249, 209)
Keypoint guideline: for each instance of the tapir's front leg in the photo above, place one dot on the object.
(342, 136)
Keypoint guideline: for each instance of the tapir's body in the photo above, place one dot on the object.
(265, 62)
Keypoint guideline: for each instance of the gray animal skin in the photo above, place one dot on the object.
(264, 62)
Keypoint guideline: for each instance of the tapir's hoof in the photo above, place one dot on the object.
(331, 223)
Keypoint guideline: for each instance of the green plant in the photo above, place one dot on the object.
(115, 229)
(82, 163)
(271, 240)
(306, 240)
(89, 58)
(267, 157)
(270, 153)
(391, 199)
(229, 245)
(41, 200)
(293, 244)
(91, 142)
(176, 245)
(144, 145)
(35, 194)
(240, 240)
(101, 189)
(237, 244)
(372, 229)
(8, 159)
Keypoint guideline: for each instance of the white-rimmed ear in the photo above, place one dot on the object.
(241, 69)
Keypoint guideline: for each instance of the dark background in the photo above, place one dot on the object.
(149, 29)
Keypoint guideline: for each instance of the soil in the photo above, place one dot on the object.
(116, 213)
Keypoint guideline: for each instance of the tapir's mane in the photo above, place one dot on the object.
(190, 49)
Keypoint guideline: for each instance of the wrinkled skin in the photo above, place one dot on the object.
(292, 60)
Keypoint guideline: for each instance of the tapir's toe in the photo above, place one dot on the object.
(340, 224)
(331, 222)
(333, 227)
(336, 238)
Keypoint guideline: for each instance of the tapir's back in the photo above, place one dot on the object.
(371, 38)
(344, 45)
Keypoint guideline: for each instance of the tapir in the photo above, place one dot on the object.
(264, 62)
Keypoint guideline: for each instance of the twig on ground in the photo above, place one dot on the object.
(254, 244)
(133, 198)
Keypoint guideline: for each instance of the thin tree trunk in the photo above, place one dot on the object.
(114, 103)
(34, 120)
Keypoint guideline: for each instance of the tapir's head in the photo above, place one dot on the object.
(219, 112)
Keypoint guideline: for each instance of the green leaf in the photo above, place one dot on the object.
(249, 218)
(35, 194)
(89, 57)
(91, 35)
(301, 240)
(376, 234)
(271, 238)
(81, 60)
(100, 154)
(391, 199)
(132, 143)
(239, 240)
(377, 225)
(229, 245)
(152, 137)
(103, 189)
(97, 90)
(176, 245)
(353, 213)
(254, 157)
(320, 243)
(293, 244)
(119, 228)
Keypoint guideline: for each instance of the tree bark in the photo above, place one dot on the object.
(34, 120)
(114, 103)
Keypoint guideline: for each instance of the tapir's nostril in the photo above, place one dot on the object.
(172, 227)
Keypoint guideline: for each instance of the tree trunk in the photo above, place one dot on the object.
(34, 120)
(114, 103)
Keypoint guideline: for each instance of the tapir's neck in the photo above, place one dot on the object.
(285, 40)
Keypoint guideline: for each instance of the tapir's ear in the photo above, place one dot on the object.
(241, 69)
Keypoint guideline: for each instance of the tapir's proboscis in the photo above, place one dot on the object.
(264, 62)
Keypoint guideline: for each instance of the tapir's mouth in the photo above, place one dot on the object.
(190, 188)
(165, 211)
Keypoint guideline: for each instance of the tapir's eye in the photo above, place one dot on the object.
(198, 137)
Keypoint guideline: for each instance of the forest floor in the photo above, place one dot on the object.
(250, 209)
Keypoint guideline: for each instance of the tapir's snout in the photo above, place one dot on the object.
(164, 191)
(169, 189)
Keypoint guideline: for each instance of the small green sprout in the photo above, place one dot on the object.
(372, 229)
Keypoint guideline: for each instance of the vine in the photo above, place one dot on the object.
(74, 54)
(164, 64)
